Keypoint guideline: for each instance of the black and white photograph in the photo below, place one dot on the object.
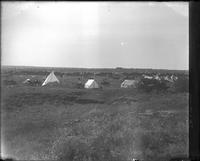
(94, 81)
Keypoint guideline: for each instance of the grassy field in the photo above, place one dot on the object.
(111, 124)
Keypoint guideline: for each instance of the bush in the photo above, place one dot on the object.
(9, 82)
(79, 85)
(105, 83)
(181, 85)
(149, 85)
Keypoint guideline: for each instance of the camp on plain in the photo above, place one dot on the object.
(94, 81)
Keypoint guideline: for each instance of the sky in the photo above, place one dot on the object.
(96, 34)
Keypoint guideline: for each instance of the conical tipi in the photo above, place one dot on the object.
(50, 79)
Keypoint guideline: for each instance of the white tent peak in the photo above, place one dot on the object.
(50, 79)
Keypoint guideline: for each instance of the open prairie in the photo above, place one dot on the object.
(66, 123)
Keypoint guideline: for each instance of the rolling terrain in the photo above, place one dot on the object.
(66, 123)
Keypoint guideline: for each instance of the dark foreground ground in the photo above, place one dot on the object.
(111, 124)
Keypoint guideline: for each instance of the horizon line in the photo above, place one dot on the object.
(92, 67)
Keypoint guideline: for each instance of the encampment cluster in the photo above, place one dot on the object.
(146, 82)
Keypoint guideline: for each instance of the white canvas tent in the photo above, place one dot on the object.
(50, 79)
(91, 83)
(129, 84)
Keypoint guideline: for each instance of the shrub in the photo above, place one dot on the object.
(181, 85)
(149, 85)
(79, 85)
(9, 82)
(105, 82)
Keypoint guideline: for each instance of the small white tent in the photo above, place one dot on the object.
(50, 79)
(91, 83)
(26, 81)
(129, 83)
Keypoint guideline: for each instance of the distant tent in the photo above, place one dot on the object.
(129, 84)
(147, 77)
(157, 77)
(91, 83)
(50, 79)
(27, 81)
